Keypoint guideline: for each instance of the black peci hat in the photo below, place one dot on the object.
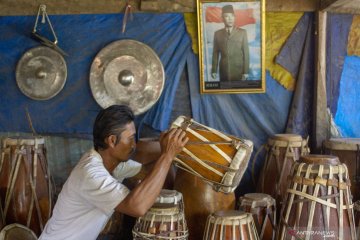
(227, 9)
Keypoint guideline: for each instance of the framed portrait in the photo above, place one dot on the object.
(231, 46)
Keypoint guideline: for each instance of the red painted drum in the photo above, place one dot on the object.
(282, 150)
(348, 152)
(17, 232)
(263, 208)
(25, 186)
(318, 203)
(215, 157)
(230, 225)
(164, 220)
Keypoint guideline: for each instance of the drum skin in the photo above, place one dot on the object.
(20, 200)
(319, 192)
(200, 200)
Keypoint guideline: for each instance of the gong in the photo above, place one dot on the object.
(127, 72)
(41, 73)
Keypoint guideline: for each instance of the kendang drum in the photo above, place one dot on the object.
(263, 208)
(17, 231)
(200, 200)
(213, 156)
(318, 203)
(348, 152)
(282, 150)
(25, 186)
(164, 220)
(230, 225)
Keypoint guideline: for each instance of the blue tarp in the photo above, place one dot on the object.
(348, 110)
(73, 110)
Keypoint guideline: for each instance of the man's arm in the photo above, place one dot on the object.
(139, 200)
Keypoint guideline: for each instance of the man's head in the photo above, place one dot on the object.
(228, 15)
(113, 123)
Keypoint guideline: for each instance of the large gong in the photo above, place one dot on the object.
(41, 73)
(127, 72)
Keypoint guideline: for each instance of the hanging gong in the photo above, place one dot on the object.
(41, 73)
(127, 72)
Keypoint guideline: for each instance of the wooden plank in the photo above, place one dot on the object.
(322, 125)
(168, 6)
(292, 5)
(25, 7)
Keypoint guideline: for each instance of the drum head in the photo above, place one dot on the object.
(17, 232)
(320, 159)
(168, 197)
(288, 137)
(350, 144)
(257, 200)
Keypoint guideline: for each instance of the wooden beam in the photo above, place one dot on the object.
(168, 6)
(25, 7)
(322, 123)
(344, 6)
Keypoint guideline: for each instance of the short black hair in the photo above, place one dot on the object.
(111, 121)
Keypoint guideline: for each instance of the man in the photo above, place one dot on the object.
(231, 47)
(92, 192)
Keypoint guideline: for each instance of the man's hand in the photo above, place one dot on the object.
(173, 141)
(214, 75)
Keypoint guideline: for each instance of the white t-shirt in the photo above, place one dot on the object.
(88, 199)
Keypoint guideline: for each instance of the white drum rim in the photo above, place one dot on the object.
(16, 225)
(287, 137)
(257, 200)
(241, 219)
(23, 141)
(169, 196)
(349, 144)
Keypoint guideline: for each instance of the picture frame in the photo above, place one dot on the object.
(231, 46)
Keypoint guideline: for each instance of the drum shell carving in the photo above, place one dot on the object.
(24, 162)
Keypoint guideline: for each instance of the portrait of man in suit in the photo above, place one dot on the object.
(230, 58)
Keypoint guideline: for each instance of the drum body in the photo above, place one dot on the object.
(230, 225)
(357, 218)
(25, 187)
(200, 200)
(17, 232)
(282, 150)
(213, 156)
(164, 220)
(263, 209)
(318, 203)
(348, 152)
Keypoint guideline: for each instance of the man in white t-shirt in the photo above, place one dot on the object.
(94, 189)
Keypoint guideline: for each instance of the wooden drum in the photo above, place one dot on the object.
(164, 220)
(348, 152)
(17, 232)
(318, 204)
(25, 186)
(215, 157)
(230, 225)
(357, 218)
(282, 150)
(200, 200)
(263, 208)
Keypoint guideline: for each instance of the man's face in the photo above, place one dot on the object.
(126, 146)
(229, 19)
